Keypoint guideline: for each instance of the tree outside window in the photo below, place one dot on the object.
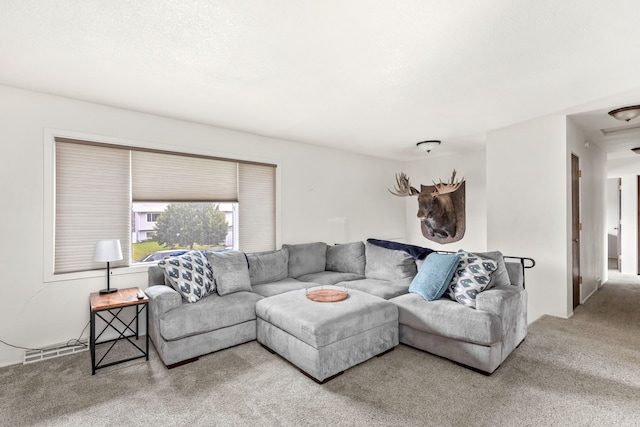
(180, 226)
(186, 224)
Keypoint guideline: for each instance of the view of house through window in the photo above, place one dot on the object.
(160, 229)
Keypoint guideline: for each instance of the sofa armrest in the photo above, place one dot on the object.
(509, 303)
(499, 299)
(163, 299)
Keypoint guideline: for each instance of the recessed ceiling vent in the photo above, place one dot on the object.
(620, 130)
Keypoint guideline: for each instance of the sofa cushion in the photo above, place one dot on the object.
(306, 258)
(230, 271)
(472, 276)
(435, 275)
(385, 289)
(267, 267)
(501, 276)
(155, 276)
(279, 287)
(346, 258)
(515, 270)
(449, 319)
(211, 313)
(328, 277)
(189, 274)
(388, 264)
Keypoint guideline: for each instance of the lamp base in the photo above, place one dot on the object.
(108, 291)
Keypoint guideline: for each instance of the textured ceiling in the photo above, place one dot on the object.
(368, 76)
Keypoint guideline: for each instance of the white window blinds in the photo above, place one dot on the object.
(92, 203)
(257, 196)
(181, 178)
(96, 184)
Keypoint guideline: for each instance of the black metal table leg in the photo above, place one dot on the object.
(92, 340)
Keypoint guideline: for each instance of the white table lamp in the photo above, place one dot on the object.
(107, 251)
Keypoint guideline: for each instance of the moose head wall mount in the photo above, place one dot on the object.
(441, 207)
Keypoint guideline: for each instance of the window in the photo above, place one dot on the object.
(100, 187)
(179, 227)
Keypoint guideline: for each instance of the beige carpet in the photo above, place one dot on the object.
(579, 372)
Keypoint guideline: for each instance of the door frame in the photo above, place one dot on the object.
(619, 227)
(575, 229)
(638, 225)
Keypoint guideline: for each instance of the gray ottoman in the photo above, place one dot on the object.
(325, 338)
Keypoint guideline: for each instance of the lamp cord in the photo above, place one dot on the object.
(71, 343)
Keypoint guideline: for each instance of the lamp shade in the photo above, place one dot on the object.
(107, 250)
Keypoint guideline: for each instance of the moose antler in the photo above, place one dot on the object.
(403, 186)
(449, 187)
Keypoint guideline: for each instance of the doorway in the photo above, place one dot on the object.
(614, 223)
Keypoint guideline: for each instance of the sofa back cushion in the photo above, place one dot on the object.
(155, 276)
(388, 264)
(346, 258)
(230, 271)
(516, 272)
(268, 267)
(306, 258)
(500, 277)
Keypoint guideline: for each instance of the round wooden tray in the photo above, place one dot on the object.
(327, 295)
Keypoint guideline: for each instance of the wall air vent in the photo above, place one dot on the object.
(64, 349)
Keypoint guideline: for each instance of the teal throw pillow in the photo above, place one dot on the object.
(434, 276)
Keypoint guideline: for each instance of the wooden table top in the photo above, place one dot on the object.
(120, 298)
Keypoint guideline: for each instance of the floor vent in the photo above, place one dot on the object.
(31, 356)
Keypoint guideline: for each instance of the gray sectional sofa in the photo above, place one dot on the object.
(256, 307)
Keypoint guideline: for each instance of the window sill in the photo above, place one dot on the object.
(91, 274)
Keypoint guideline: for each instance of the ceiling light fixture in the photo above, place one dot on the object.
(428, 145)
(626, 113)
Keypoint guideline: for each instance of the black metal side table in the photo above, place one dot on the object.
(109, 308)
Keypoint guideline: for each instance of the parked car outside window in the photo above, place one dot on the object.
(160, 255)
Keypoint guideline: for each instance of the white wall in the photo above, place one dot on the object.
(527, 206)
(593, 210)
(472, 167)
(326, 195)
(628, 170)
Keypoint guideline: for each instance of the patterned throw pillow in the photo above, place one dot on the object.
(472, 277)
(189, 274)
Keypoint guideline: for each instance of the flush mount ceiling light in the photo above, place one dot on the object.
(428, 145)
(626, 113)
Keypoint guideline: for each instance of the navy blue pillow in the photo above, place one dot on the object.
(418, 252)
(434, 276)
